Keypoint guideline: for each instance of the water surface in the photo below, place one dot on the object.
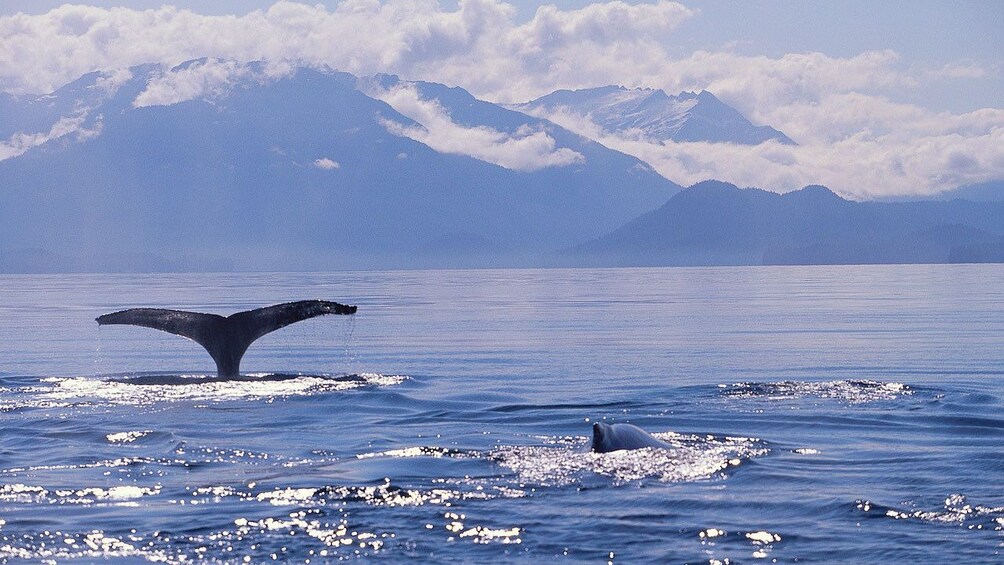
(815, 414)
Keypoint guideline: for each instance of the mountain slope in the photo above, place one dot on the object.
(991, 191)
(656, 115)
(714, 223)
(292, 168)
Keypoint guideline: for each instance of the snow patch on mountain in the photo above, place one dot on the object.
(651, 114)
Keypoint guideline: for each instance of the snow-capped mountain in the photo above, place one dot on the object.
(267, 166)
(654, 115)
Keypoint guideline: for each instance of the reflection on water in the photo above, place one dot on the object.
(957, 510)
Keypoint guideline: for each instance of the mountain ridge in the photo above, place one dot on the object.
(717, 223)
(283, 170)
(656, 115)
(221, 165)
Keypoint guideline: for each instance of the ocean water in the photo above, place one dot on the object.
(815, 414)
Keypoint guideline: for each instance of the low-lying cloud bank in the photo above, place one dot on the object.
(527, 149)
(852, 134)
(927, 153)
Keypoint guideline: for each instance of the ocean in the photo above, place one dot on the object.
(826, 414)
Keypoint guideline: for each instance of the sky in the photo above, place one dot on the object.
(884, 98)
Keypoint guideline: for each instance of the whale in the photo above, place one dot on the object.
(616, 437)
(226, 338)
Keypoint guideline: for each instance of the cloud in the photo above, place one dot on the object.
(414, 38)
(528, 149)
(66, 126)
(211, 78)
(928, 154)
(852, 133)
(326, 164)
(109, 83)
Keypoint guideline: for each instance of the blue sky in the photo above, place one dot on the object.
(883, 98)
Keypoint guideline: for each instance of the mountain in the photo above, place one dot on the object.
(656, 115)
(716, 223)
(991, 191)
(253, 166)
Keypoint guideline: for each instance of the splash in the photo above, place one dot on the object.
(384, 494)
(29, 494)
(689, 458)
(417, 451)
(850, 391)
(387, 494)
(61, 392)
(126, 437)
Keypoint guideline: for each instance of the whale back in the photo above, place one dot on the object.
(226, 339)
(615, 437)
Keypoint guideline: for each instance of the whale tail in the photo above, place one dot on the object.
(226, 338)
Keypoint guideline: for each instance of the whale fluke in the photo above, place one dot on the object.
(615, 437)
(226, 338)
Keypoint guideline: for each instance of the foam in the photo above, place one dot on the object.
(851, 391)
(690, 458)
(68, 391)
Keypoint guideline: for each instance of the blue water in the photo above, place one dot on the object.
(816, 414)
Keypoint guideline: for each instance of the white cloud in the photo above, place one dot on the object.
(527, 149)
(110, 82)
(930, 153)
(66, 126)
(414, 38)
(205, 78)
(851, 135)
(326, 164)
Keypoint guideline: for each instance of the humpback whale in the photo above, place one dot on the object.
(614, 437)
(225, 338)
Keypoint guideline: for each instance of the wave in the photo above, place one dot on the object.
(956, 511)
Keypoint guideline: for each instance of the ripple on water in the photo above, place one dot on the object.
(58, 546)
(317, 526)
(757, 543)
(956, 511)
(306, 532)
